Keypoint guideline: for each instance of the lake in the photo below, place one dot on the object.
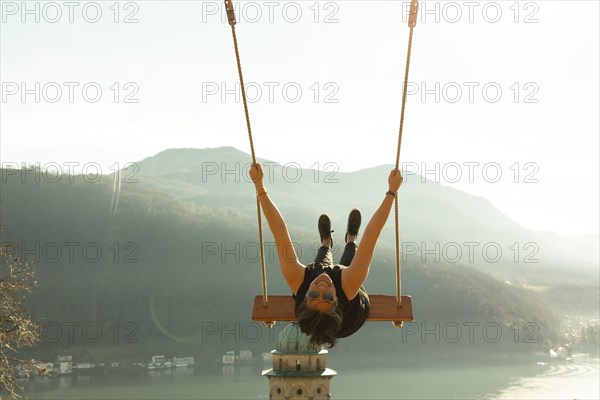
(441, 377)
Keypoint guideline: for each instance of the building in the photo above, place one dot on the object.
(299, 370)
(159, 359)
(229, 357)
(65, 364)
(83, 367)
(181, 362)
(245, 355)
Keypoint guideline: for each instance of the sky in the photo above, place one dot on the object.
(503, 97)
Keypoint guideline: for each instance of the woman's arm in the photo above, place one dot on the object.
(357, 272)
(292, 270)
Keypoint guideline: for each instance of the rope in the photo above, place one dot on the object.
(412, 21)
(231, 18)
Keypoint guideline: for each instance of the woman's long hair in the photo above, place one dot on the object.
(321, 327)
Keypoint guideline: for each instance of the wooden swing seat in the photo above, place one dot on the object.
(383, 308)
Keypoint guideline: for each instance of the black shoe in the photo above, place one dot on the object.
(353, 224)
(325, 228)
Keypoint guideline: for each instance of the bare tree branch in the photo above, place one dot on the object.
(17, 327)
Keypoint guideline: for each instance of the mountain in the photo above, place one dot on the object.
(467, 228)
(174, 256)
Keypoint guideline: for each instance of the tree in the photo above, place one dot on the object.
(17, 328)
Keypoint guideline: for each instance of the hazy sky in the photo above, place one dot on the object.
(505, 87)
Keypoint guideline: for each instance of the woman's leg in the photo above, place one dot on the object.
(324, 256)
(348, 254)
(354, 219)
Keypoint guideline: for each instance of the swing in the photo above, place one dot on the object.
(270, 309)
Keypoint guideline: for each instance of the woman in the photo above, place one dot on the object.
(331, 302)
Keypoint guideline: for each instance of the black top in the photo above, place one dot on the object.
(354, 313)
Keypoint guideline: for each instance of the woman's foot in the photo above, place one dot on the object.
(325, 231)
(354, 219)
